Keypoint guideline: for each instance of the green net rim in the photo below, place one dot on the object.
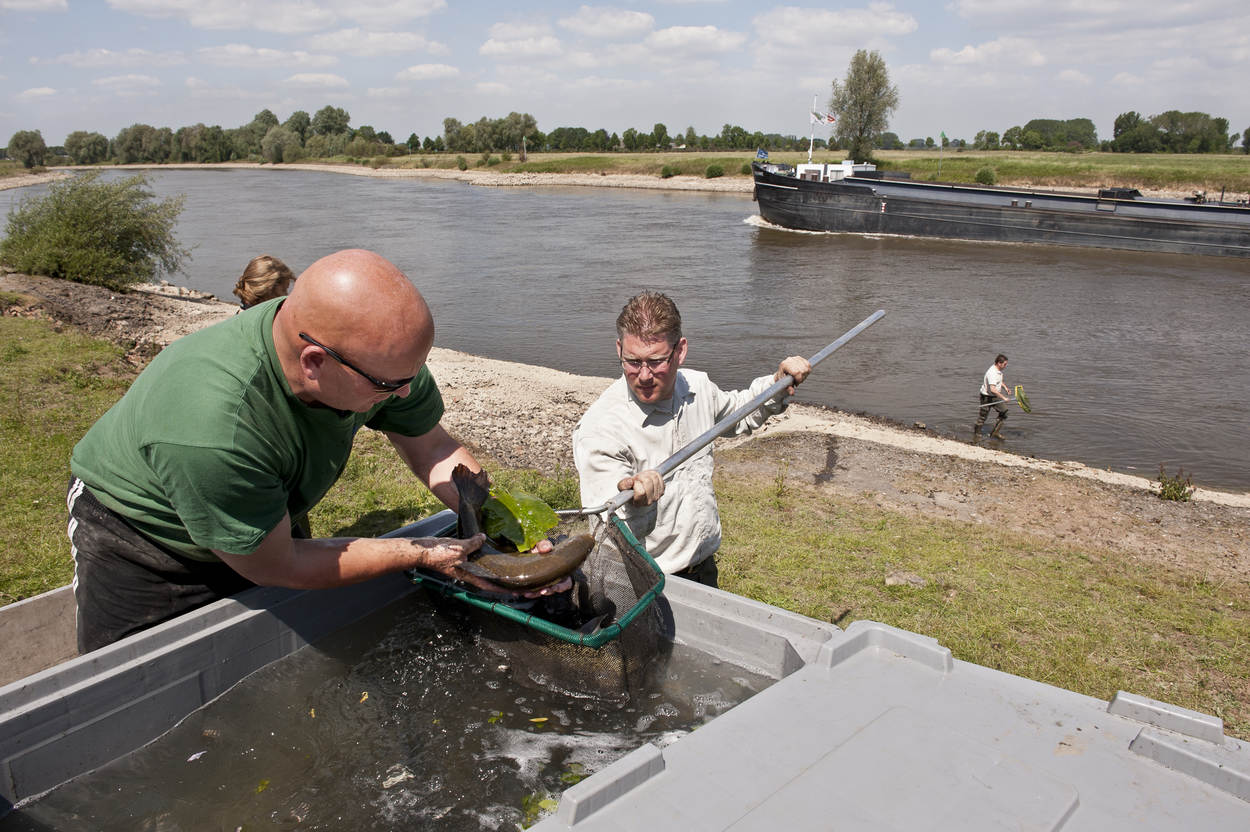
(452, 589)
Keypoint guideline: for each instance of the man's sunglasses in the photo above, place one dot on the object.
(380, 385)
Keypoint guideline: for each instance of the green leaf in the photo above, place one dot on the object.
(522, 518)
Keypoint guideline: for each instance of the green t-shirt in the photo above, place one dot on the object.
(209, 447)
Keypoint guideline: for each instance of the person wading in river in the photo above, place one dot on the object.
(994, 394)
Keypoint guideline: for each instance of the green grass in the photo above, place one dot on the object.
(1080, 619)
(56, 384)
(1085, 620)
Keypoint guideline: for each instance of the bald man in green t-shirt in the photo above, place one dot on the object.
(190, 487)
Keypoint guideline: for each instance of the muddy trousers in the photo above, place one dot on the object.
(989, 403)
(124, 582)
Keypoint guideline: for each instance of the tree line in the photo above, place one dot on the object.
(862, 103)
(329, 133)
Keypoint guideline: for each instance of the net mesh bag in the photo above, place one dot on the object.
(1022, 399)
(602, 637)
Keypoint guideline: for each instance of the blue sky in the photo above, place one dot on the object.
(405, 65)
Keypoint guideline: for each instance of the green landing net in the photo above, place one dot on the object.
(1022, 399)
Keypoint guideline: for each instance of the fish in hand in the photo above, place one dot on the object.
(519, 571)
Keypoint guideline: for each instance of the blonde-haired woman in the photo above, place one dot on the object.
(265, 277)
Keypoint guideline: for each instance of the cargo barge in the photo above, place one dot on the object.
(858, 199)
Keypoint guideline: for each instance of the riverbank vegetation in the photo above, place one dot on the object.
(112, 234)
(1074, 616)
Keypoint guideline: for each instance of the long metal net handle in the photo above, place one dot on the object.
(700, 442)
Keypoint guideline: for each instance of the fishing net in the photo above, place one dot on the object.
(601, 637)
(1022, 399)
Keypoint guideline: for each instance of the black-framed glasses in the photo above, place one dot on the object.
(379, 384)
(652, 364)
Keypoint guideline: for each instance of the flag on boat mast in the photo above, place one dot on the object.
(828, 118)
(761, 153)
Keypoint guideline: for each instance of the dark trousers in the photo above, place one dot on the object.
(124, 582)
(704, 572)
(991, 402)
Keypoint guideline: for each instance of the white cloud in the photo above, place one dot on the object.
(35, 93)
(1127, 79)
(608, 22)
(132, 84)
(201, 89)
(388, 92)
(815, 29)
(316, 80)
(285, 16)
(518, 31)
(253, 57)
(1074, 76)
(34, 5)
(427, 72)
(542, 46)
(631, 55)
(92, 58)
(1007, 50)
(492, 88)
(695, 40)
(367, 44)
(1090, 14)
(383, 13)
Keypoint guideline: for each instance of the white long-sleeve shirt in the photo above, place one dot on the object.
(619, 436)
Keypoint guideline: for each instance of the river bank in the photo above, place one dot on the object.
(522, 416)
(498, 179)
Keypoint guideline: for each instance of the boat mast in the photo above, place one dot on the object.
(811, 141)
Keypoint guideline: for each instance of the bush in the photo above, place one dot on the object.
(1179, 487)
(986, 176)
(462, 163)
(507, 157)
(667, 171)
(714, 171)
(492, 161)
(745, 170)
(112, 234)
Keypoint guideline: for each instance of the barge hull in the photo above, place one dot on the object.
(908, 209)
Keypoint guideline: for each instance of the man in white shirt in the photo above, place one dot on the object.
(650, 413)
(994, 394)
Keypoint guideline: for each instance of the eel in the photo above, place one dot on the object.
(514, 571)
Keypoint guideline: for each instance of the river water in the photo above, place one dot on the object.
(1129, 360)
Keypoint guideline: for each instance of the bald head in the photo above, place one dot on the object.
(363, 306)
(358, 298)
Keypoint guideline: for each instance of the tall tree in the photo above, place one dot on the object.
(1245, 141)
(660, 134)
(300, 124)
(27, 147)
(281, 144)
(86, 148)
(330, 120)
(863, 102)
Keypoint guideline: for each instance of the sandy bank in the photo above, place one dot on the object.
(22, 180)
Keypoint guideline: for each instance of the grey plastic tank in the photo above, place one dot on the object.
(868, 728)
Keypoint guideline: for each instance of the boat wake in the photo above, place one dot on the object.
(759, 222)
